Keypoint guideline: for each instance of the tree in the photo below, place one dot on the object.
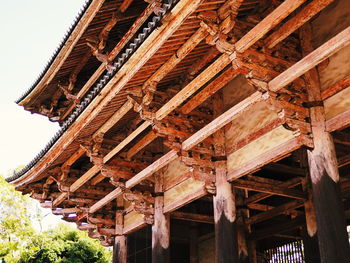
(15, 221)
(62, 245)
(20, 243)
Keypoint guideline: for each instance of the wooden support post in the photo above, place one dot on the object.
(311, 249)
(226, 247)
(161, 226)
(309, 233)
(330, 217)
(193, 243)
(242, 228)
(120, 251)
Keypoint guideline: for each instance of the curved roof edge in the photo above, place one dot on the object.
(119, 61)
(57, 50)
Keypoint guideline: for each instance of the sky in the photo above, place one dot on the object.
(30, 32)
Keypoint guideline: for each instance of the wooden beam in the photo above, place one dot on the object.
(151, 136)
(221, 121)
(179, 55)
(210, 89)
(269, 22)
(273, 155)
(311, 60)
(145, 173)
(192, 217)
(117, 116)
(335, 88)
(295, 22)
(105, 200)
(126, 141)
(278, 228)
(151, 169)
(258, 197)
(73, 158)
(268, 188)
(331, 225)
(274, 212)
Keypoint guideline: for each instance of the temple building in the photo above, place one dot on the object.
(200, 130)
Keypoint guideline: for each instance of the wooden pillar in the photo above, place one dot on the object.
(226, 247)
(193, 242)
(330, 217)
(161, 226)
(120, 241)
(120, 249)
(242, 228)
(309, 232)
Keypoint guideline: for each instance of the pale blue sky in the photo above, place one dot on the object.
(30, 31)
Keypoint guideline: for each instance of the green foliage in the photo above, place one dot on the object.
(63, 245)
(15, 221)
(20, 243)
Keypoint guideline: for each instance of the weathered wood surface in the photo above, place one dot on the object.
(161, 226)
(226, 243)
(311, 60)
(331, 227)
(297, 21)
(179, 13)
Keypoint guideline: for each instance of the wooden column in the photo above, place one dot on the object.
(193, 242)
(226, 247)
(242, 228)
(120, 249)
(330, 217)
(120, 241)
(309, 232)
(161, 226)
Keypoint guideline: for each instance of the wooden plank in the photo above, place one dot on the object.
(295, 22)
(268, 188)
(311, 60)
(269, 22)
(150, 137)
(221, 121)
(78, 31)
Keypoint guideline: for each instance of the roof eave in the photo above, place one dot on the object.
(73, 34)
